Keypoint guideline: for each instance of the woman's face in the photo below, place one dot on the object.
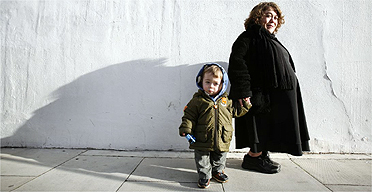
(269, 20)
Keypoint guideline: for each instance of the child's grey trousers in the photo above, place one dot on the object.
(209, 162)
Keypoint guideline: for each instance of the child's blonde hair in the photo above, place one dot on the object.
(214, 69)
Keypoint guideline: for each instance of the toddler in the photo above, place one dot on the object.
(208, 116)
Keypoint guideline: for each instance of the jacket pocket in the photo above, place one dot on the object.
(227, 132)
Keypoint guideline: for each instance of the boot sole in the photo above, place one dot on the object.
(273, 171)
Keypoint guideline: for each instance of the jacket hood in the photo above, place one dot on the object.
(225, 80)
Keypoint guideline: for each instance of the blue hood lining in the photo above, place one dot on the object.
(225, 79)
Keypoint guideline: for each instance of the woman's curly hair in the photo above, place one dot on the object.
(258, 11)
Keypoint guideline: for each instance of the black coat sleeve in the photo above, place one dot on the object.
(238, 72)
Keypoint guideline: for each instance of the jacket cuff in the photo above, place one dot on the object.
(184, 130)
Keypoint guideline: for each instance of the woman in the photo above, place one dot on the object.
(261, 70)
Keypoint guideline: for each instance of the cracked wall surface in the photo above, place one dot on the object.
(117, 74)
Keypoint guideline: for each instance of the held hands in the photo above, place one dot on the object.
(248, 100)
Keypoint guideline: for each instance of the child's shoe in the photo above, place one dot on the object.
(203, 183)
(220, 177)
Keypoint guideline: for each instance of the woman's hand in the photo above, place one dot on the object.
(248, 100)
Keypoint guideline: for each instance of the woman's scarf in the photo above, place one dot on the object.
(276, 73)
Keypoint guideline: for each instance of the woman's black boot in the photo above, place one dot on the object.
(265, 155)
(259, 164)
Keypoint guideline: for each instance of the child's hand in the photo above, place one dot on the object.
(183, 135)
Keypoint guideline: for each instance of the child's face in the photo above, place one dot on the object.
(212, 85)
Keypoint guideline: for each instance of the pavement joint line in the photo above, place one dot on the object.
(162, 181)
(355, 185)
(335, 158)
(133, 156)
(310, 174)
(34, 177)
(130, 174)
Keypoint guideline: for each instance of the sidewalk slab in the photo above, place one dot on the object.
(25, 169)
(85, 173)
(9, 183)
(168, 186)
(33, 162)
(290, 178)
(21, 165)
(342, 172)
(166, 174)
(165, 169)
(339, 188)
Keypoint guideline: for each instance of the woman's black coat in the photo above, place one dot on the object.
(255, 71)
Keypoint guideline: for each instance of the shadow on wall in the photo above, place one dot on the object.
(133, 105)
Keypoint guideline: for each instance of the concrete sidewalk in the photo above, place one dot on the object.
(101, 170)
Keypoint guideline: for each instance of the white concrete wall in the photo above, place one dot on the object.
(117, 74)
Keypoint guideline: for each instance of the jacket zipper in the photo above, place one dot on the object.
(216, 126)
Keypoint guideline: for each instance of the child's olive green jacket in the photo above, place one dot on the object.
(210, 119)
